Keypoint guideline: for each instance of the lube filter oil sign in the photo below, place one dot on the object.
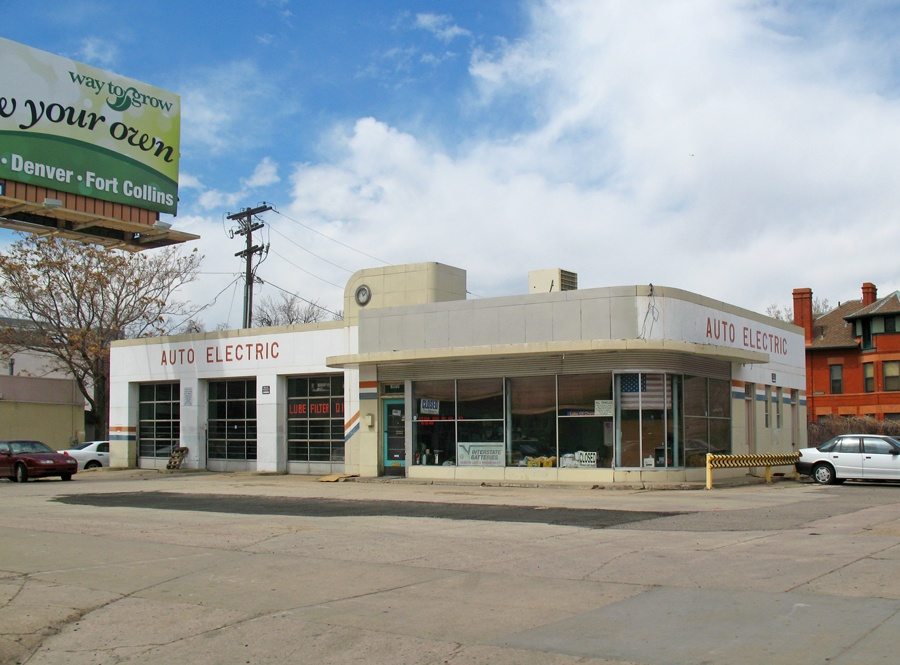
(74, 128)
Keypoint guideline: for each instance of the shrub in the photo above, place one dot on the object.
(819, 432)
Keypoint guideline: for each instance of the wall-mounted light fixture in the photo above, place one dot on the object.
(370, 420)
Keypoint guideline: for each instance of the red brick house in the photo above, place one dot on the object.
(852, 356)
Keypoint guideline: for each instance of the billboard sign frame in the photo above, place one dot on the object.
(75, 128)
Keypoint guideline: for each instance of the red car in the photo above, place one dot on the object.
(21, 460)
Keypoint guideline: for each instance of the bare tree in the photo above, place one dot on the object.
(287, 309)
(79, 298)
(820, 306)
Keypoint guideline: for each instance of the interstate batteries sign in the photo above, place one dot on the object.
(74, 128)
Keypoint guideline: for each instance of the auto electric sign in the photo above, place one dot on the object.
(74, 128)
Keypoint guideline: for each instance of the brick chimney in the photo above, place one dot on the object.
(803, 315)
(869, 293)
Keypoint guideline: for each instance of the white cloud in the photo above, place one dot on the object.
(189, 181)
(265, 173)
(221, 108)
(98, 52)
(441, 26)
(700, 145)
(213, 199)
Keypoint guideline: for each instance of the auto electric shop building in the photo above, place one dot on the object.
(604, 385)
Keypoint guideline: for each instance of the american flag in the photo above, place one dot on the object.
(644, 391)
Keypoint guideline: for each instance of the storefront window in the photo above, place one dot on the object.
(569, 421)
(532, 421)
(434, 422)
(650, 429)
(315, 418)
(707, 418)
(585, 422)
(479, 426)
(232, 420)
(159, 419)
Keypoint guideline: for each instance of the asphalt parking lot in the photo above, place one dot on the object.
(139, 567)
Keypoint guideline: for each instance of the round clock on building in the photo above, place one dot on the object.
(363, 295)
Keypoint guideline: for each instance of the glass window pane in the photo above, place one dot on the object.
(434, 441)
(480, 399)
(298, 387)
(236, 410)
(873, 446)
(695, 402)
(337, 451)
(719, 398)
(578, 393)
(719, 437)
(298, 451)
(433, 400)
(533, 420)
(146, 393)
(216, 390)
(696, 441)
(480, 431)
(585, 442)
(319, 386)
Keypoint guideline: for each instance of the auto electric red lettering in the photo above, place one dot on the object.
(241, 352)
(721, 330)
(177, 357)
(760, 340)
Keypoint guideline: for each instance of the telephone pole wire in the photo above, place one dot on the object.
(246, 227)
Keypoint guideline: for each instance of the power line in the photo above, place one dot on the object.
(299, 246)
(284, 258)
(211, 302)
(309, 302)
(327, 237)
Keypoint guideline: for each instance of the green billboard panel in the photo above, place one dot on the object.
(71, 127)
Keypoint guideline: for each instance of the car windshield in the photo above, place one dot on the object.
(29, 447)
(82, 446)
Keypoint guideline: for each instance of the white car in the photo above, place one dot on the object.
(90, 454)
(852, 457)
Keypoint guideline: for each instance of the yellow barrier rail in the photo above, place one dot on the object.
(737, 461)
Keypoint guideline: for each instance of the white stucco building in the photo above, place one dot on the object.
(595, 385)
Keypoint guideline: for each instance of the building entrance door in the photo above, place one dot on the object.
(394, 441)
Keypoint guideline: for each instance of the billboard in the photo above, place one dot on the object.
(74, 128)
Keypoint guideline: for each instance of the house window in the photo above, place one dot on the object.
(891, 371)
(869, 377)
(890, 324)
(836, 373)
(779, 399)
(867, 334)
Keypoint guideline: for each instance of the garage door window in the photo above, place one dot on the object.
(159, 418)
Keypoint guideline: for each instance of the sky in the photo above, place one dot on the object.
(734, 148)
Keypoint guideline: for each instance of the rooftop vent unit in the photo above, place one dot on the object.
(552, 279)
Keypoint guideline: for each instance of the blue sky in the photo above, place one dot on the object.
(733, 148)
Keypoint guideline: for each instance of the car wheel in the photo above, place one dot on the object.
(66, 476)
(21, 473)
(823, 474)
(93, 464)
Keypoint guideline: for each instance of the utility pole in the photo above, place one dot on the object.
(246, 227)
